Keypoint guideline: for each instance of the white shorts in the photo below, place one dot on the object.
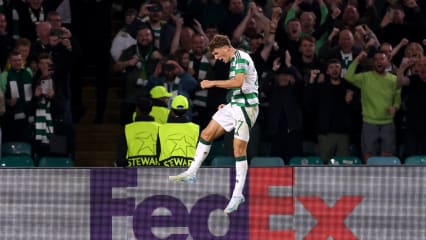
(232, 117)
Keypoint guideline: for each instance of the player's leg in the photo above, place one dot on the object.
(241, 167)
(208, 135)
(245, 119)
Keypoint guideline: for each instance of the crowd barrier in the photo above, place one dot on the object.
(340, 203)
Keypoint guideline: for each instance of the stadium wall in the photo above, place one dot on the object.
(340, 203)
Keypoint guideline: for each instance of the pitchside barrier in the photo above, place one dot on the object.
(340, 203)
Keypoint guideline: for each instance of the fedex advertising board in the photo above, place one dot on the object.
(281, 203)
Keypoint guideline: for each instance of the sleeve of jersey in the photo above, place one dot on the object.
(241, 65)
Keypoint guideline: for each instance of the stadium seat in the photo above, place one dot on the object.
(52, 161)
(416, 160)
(353, 150)
(223, 161)
(309, 160)
(17, 161)
(264, 149)
(310, 148)
(349, 160)
(16, 148)
(382, 160)
(267, 162)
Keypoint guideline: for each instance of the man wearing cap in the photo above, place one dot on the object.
(179, 136)
(239, 114)
(178, 109)
(138, 144)
(160, 98)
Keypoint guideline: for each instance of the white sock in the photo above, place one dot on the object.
(240, 179)
(203, 149)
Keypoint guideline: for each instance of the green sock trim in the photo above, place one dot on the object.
(205, 142)
(242, 158)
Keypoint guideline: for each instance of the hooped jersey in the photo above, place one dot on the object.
(246, 95)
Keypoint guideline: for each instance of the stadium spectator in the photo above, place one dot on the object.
(43, 95)
(394, 22)
(123, 39)
(415, 104)
(331, 97)
(23, 46)
(285, 121)
(390, 52)
(254, 23)
(7, 43)
(380, 99)
(76, 85)
(16, 83)
(235, 15)
(27, 14)
(137, 63)
(177, 81)
(305, 62)
(199, 66)
(345, 51)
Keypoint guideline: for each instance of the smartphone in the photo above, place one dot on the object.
(46, 85)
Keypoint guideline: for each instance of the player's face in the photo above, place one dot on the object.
(222, 54)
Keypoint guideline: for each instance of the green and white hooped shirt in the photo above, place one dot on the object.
(246, 96)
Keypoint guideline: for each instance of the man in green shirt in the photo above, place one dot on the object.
(380, 99)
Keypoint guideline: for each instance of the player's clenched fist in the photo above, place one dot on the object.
(207, 84)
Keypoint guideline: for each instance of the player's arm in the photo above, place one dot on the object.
(236, 82)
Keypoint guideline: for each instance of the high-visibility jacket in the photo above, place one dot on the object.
(178, 142)
(160, 114)
(141, 138)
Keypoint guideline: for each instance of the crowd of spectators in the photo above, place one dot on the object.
(346, 74)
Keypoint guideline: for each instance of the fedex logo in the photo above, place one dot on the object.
(330, 220)
(251, 221)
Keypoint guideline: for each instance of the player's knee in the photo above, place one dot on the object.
(239, 153)
(240, 150)
(207, 135)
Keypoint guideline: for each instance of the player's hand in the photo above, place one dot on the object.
(207, 84)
